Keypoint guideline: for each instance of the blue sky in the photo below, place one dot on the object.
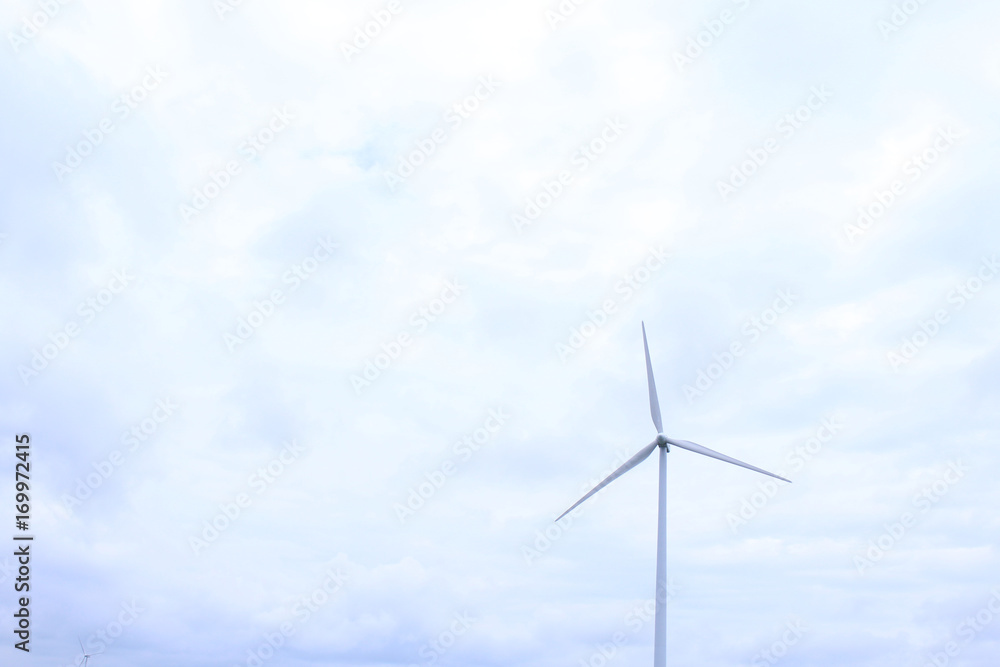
(371, 306)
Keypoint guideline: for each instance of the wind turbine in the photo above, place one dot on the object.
(86, 656)
(663, 442)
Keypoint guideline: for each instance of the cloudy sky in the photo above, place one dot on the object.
(319, 314)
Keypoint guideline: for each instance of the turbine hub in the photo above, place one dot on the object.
(661, 440)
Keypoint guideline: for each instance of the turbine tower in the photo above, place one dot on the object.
(663, 443)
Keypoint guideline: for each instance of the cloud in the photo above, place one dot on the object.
(287, 143)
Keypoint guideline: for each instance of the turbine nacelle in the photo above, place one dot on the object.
(86, 656)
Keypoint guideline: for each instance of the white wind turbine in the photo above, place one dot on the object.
(86, 656)
(663, 442)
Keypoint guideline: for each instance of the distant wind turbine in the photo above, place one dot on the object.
(663, 442)
(86, 656)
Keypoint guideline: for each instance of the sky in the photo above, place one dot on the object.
(317, 315)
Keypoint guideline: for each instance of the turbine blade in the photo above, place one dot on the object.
(698, 449)
(654, 402)
(628, 465)
(81, 646)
